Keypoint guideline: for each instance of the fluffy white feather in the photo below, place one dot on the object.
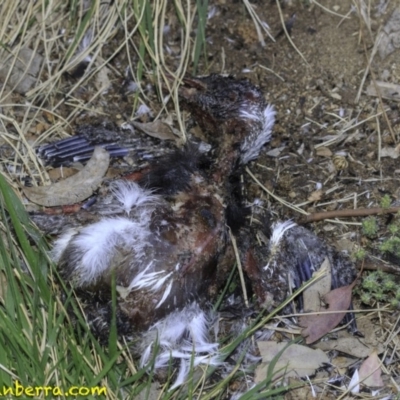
(131, 195)
(146, 355)
(153, 281)
(182, 375)
(183, 335)
(61, 243)
(145, 279)
(171, 329)
(251, 146)
(198, 327)
(97, 243)
(159, 284)
(167, 291)
(278, 231)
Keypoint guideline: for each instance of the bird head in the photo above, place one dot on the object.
(232, 112)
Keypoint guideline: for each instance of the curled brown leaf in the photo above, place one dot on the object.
(157, 129)
(317, 325)
(74, 189)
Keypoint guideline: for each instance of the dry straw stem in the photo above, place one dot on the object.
(329, 11)
(43, 28)
(364, 13)
(187, 18)
(368, 67)
(272, 71)
(277, 198)
(258, 24)
(340, 136)
(240, 269)
(364, 17)
(287, 34)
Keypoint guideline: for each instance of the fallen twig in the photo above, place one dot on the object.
(358, 212)
(379, 265)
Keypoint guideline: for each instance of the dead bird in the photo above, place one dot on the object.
(163, 239)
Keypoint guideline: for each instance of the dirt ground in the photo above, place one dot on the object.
(315, 102)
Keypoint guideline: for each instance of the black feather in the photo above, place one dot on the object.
(236, 211)
(174, 171)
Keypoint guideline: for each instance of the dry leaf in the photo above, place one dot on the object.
(295, 361)
(370, 371)
(102, 81)
(323, 152)
(313, 294)
(341, 362)
(75, 188)
(389, 38)
(317, 325)
(41, 127)
(352, 345)
(275, 152)
(56, 174)
(392, 152)
(49, 117)
(346, 245)
(157, 129)
(316, 195)
(335, 95)
(355, 346)
(386, 90)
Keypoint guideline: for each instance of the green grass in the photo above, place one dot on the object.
(39, 345)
